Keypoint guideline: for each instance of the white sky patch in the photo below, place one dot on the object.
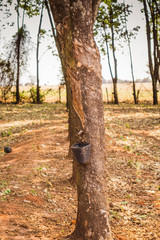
(50, 73)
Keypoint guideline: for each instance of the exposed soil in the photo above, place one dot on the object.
(37, 198)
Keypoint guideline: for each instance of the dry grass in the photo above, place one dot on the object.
(125, 93)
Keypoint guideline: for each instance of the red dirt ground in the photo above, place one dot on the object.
(38, 200)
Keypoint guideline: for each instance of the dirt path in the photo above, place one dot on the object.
(38, 201)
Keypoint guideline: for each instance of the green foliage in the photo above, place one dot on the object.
(31, 7)
(22, 96)
(21, 42)
(127, 147)
(5, 91)
(6, 191)
(4, 183)
(42, 31)
(33, 94)
(111, 18)
(7, 78)
(6, 133)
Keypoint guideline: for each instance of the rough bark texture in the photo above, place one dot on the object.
(74, 23)
(153, 63)
(18, 71)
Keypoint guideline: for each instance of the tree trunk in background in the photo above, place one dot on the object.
(115, 92)
(74, 24)
(135, 95)
(37, 54)
(108, 55)
(115, 79)
(155, 91)
(153, 64)
(18, 56)
(18, 68)
(156, 52)
(18, 45)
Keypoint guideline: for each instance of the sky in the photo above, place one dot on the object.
(138, 48)
(50, 72)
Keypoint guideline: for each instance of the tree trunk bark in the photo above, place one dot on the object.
(151, 68)
(37, 54)
(108, 56)
(18, 68)
(155, 91)
(74, 24)
(156, 56)
(18, 56)
(134, 92)
(131, 61)
(115, 79)
(115, 91)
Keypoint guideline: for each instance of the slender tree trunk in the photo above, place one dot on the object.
(108, 56)
(115, 91)
(24, 13)
(18, 57)
(133, 81)
(155, 90)
(115, 79)
(156, 56)
(19, 39)
(37, 54)
(74, 24)
(151, 68)
(18, 14)
(131, 61)
(18, 70)
(59, 90)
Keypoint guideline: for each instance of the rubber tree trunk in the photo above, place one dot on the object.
(155, 91)
(18, 45)
(18, 68)
(135, 96)
(115, 79)
(18, 56)
(72, 124)
(37, 54)
(74, 24)
(115, 91)
(152, 66)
